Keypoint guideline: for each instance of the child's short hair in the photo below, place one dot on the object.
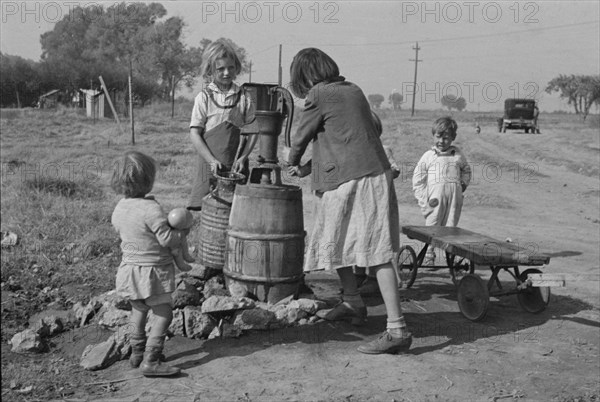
(309, 67)
(134, 175)
(445, 124)
(218, 49)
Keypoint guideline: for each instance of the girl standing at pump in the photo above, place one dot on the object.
(357, 213)
(146, 276)
(219, 112)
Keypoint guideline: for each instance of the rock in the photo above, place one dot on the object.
(28, 341)
(216, 292)
(238, 290)
(227, 331)
(254, 319)
(84, 313)
(122, 344)
(111, 317)
(192, 280)
(221, 303)
(111, 298)
(196, 324)
(281, 313)
(177, 326)
(53, 324)
(198, 271)
(292, 314)
(285, 300)
(9, 239)
(185, 295)
(308, 305)
(216, 282)
(302, 321)
(101, 355)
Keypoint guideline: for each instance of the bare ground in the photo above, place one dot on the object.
(540, 191)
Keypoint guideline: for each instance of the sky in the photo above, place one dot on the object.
(484, 51)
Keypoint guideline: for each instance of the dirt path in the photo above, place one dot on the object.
(511, 354)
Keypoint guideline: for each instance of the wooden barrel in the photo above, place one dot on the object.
(265, 242)
(214, 220)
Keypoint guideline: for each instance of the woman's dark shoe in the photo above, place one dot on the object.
(344, 311)
(387, 344)
(369, 287)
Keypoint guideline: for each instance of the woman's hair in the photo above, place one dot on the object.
(218, 49)
(134, 175)
(445, 124)
(309, 67)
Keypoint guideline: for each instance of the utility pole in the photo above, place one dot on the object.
(416, 60)
(131, 103)
(280, 71)
(250, 77)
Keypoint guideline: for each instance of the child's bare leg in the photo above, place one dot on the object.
(186, 250)
(151, 366)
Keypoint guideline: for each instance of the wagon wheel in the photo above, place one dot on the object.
(533, 299)
(459, 267)
(473, 297)
(406, 266)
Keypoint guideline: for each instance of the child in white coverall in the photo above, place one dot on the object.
(440, 178)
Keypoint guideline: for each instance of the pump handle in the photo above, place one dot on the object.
(289, 104)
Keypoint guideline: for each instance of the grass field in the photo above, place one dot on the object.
(56, 166)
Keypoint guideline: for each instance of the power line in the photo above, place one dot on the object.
(478, 36)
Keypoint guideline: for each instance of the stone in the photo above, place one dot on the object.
(222, 303)
(101, 355)
(309, 306)
(197, 324)
(185, 295)
(177, 326)
(83, 313)
(238, 290)
(254, 319)
(112, 317)
(112, 298)
(28, 341)
(53, 323)
(227, 331)
(198, 271)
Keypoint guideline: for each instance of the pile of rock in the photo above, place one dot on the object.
(203, 309)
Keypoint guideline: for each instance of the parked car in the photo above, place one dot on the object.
(519, 114)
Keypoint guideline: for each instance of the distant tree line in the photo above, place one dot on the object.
(581, 91)
(120, 37)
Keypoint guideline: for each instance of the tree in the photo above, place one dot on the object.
(581, 91)
(20, 82)
(395, 100)
(375, 100)
(460, 104)
(452, 102)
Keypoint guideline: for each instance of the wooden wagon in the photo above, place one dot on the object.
(466, 250)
